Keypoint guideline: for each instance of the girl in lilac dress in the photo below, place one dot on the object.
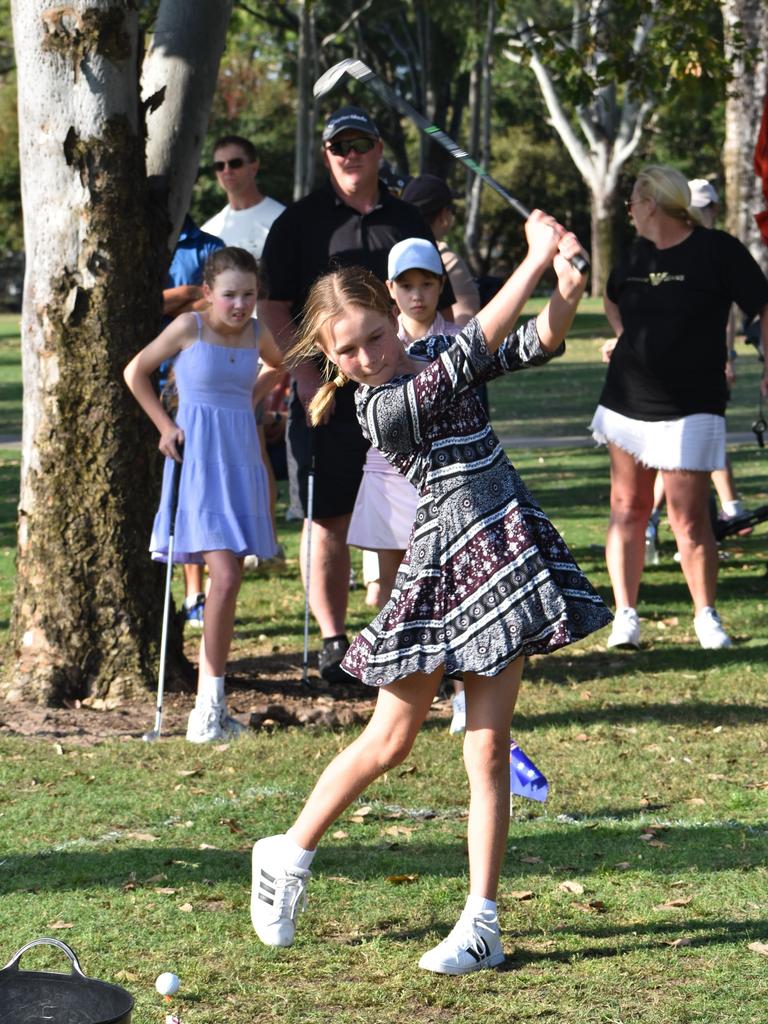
(486, 579)
(223, 510)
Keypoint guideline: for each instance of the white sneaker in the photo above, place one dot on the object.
(474, 943)
(279, 893)
(459, 720)
(709, 630)
(212, 723)
(626, 629)
(204, 725)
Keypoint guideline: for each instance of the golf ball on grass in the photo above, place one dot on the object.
(167, 983)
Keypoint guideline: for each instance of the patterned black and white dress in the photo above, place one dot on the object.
(486, 577)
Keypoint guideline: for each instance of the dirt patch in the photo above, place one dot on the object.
(263, 692)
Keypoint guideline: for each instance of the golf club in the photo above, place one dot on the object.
(356, 69)
(308, 561)
(150, 737)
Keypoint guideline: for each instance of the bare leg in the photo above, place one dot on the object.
(490, 703)
(631, 501)
(688, 511)
(193, 580)
(400, 710)
(329, 572)
(724, 483)
(225, 571)
(389, 563)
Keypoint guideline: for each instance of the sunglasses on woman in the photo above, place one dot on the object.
(347, 145)
(234, 164)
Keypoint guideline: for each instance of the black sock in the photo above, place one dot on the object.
(330, 639)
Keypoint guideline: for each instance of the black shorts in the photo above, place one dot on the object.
(339, 450)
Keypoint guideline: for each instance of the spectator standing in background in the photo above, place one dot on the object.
(350, 220)
(246, 219)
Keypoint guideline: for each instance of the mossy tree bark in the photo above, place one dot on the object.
(88, 600)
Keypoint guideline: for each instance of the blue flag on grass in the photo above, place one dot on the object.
(525, 779)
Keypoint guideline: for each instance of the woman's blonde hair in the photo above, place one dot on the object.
(669, 190)
(329, 298)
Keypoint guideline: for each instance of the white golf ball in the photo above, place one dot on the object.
(167, 983)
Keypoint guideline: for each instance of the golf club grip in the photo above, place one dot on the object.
(581, 263)
(175, 480)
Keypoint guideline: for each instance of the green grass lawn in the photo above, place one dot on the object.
(138, 856)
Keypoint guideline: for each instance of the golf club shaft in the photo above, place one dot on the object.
(308, 565)
(362, 73)
(175, 479)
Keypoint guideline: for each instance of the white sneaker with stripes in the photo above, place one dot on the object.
(278, 895)
(474, 943)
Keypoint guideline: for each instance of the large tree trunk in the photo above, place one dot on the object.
(743, 111)
(88, 600)
(603, 207)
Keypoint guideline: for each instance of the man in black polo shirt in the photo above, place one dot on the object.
(350, 221)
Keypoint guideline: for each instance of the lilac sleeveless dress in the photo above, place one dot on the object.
(224, 491)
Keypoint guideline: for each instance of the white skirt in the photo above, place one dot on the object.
(695, 442)
(385, 507)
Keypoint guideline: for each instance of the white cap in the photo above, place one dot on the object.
(702, 193)
(413, 254)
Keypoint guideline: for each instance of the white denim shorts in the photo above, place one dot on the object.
(695, 442)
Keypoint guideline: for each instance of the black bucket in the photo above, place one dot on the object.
(43, 997)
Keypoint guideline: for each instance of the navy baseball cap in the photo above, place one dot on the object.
(349, 117)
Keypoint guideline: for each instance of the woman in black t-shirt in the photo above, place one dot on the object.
(662, 406)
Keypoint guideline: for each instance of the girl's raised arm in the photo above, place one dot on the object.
(500, 315)
(554, 321)
(137, 374)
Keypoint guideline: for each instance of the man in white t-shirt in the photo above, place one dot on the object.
(248, 216)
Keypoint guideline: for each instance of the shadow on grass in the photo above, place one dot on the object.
(569, 849)
(682, 659)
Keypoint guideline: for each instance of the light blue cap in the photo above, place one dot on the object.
(413, 254)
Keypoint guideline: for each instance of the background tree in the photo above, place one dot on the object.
(746, 22)
(97, 230)
(604, 74)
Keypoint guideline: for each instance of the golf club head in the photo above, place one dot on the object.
(150, 737)
(328, 80)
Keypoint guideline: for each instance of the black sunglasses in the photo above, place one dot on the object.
(344, 147)
(234, 164)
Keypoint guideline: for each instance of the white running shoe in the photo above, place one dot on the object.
(474, 943)
(459, 720)
(709, 630)
(626, 629)
(279, 893)
(204, 724)
(212, 724)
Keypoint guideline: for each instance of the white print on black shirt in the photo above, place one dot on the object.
(657, 278)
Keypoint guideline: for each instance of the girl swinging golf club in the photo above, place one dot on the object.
(485, 581)
(223, 505)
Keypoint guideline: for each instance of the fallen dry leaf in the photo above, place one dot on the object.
(683, 901)
(233, 826)
(58, 748)
(582, 737)
(623, 865)
(522, 894)
(696, 801)
(397, 830)
(593, 907)
(58, 925)
(407, 769)
(339, 834)
(186, 908)
(402, 879)
(531, 860)
(124, 975)
(573, 887)
(166, 890)
(141, 837)
(207, 846)
(187, 773)
(759, 947)
(213, 905)
(657, 843)
(677, 943)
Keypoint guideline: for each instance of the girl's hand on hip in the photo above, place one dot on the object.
(171, 442)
